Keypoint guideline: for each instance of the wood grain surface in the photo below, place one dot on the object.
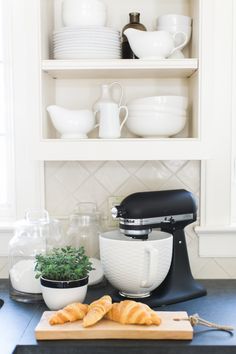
(105, 329)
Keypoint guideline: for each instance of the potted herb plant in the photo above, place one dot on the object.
(63, 275)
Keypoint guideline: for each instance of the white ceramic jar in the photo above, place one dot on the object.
(135, 267)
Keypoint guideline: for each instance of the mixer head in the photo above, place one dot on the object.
(168, 210)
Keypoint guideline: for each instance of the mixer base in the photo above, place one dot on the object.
(161, 296)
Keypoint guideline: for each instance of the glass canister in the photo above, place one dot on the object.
(35, 234)
(84, 228)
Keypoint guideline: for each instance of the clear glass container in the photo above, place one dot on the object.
(84, 228)
(35, 234)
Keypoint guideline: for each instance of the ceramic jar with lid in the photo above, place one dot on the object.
(35, 234)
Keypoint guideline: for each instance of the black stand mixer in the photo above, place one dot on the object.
(170, 211)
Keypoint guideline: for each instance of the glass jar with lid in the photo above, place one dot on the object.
(84, 228)
(35, 234)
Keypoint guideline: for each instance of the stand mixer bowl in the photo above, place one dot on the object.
(136, 267)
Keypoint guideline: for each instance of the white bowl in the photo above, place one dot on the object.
(179, 102)
(83, 13)
(155, 108)
(72, 124)
(135, 267)
(77, 5)
(158, 125)
(173, 19)
(84, 18)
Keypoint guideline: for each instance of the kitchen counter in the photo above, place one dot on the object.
(18, 321)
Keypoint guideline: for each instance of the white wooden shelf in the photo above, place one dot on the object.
(166, 68)
(120, 149)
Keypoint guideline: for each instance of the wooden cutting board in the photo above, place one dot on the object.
(105, 329)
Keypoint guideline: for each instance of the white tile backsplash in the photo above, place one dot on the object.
(68, 183)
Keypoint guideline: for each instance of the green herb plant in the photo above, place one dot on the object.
(63, 264)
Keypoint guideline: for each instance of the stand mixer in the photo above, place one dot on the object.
(170, 211)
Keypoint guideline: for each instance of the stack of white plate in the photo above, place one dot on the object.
(86, 42)
(158, 116)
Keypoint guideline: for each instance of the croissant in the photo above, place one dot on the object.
(97, 310)
(70, 313)
(132, 312)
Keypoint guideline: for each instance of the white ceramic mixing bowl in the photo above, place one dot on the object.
(135, 267)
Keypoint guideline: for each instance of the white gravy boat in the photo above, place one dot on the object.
(153, 45)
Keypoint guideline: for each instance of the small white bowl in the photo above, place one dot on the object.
(83, 13)
(157, 125)
(173, 19)
(72, 124)
(178, 102)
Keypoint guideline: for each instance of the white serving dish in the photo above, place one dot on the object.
(153, 45)
(157, 125)
(155, 109)
(179, 102)
(72, 124)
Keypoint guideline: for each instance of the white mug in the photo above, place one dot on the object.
(135, 267)
(109, 125)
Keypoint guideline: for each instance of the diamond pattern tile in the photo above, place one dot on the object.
(92, 191)
(68, 183)
(72, 175)
(153, 174)
(190, 175)
(112, 175)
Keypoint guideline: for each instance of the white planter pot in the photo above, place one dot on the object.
(58, 294)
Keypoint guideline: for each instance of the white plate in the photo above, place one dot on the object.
(88, 44)
(86, 37)
(86, 56)
(83, 47)
(101, 29)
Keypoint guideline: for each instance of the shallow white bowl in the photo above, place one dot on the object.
(179, 102)
(174, 19)
(72, 124)
(158, 125)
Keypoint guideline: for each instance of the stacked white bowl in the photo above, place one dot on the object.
(174, 24)
(85, 35)
(157, 116)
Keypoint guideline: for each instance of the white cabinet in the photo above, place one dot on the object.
(75, 84)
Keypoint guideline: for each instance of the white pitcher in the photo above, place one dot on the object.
(109, 125)
(106, 96)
